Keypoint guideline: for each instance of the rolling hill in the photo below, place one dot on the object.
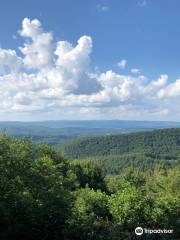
(117, 152)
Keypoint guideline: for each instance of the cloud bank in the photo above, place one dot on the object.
(49, 77)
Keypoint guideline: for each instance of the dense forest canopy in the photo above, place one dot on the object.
(45, 196)
(157, 142)
(118, 152)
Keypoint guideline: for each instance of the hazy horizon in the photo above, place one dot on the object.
(90, 120)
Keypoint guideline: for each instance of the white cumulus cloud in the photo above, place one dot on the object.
(9, 61)
(122, 64)
(135, 71)
(56, 77)
(38, 53)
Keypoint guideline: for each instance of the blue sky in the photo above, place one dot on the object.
(144, 33)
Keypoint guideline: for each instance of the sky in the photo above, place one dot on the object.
(98, 59)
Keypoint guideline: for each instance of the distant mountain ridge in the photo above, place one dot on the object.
(64, 130)
(92, 123)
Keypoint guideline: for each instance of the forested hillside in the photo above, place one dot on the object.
(116, 152)
(46, 197)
